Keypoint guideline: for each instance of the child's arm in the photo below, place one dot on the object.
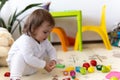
(27, 50)
(51, 51)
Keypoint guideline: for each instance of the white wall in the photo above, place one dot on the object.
(91, 10)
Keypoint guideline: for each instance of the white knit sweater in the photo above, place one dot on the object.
(32, 51)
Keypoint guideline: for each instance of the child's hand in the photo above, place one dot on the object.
(47, 67)
(52, 64)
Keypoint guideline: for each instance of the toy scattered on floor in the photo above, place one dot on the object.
(73, 74)
(91, 69)
(69, 68)
(113, 73)
(65, 73)
(76, 79)
(114, 78)
(106, 69)
(86, 65)
(93, 62)
(67, 79)
(83, 70)
(77, 68)
(86, 68)
(99, 67)
(60, 66)
(7, 74)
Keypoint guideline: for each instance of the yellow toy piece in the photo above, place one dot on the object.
(109, 67)
(91, 69)
(69, 68)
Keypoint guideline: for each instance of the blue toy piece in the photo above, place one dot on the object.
(118, 35)
(77, 68)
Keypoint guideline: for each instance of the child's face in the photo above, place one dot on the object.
(43, 31)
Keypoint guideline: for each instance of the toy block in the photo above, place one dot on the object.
(69, 69)
(7, 74)
(77, 69)
(60, 66)
(72, 73)
(113, 73)
(67, 79)
(65, 73)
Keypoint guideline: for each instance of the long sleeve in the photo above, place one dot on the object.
(33, 52)
(51, 51)
(28, 52)
(32, 60)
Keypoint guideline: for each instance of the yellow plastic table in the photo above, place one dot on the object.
(78, 15)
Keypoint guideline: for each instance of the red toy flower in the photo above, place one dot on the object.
(93, 62)
(7, 74)
(86, 65)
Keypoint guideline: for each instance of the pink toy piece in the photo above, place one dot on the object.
(72, 73)
(113, 73)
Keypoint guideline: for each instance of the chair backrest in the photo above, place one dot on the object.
(103, 17)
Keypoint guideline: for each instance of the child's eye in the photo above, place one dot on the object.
(45, 32)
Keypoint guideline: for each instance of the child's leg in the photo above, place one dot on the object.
(15, 78)
(17, 67)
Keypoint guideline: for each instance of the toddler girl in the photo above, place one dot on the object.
(27, 53)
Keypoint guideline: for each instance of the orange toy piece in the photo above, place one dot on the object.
(65, 73)
(76, 79)
(63, 37)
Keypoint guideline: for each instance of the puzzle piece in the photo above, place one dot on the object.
(60, 66)
(113, 73)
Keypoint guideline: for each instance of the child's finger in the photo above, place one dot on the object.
(52, 67)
